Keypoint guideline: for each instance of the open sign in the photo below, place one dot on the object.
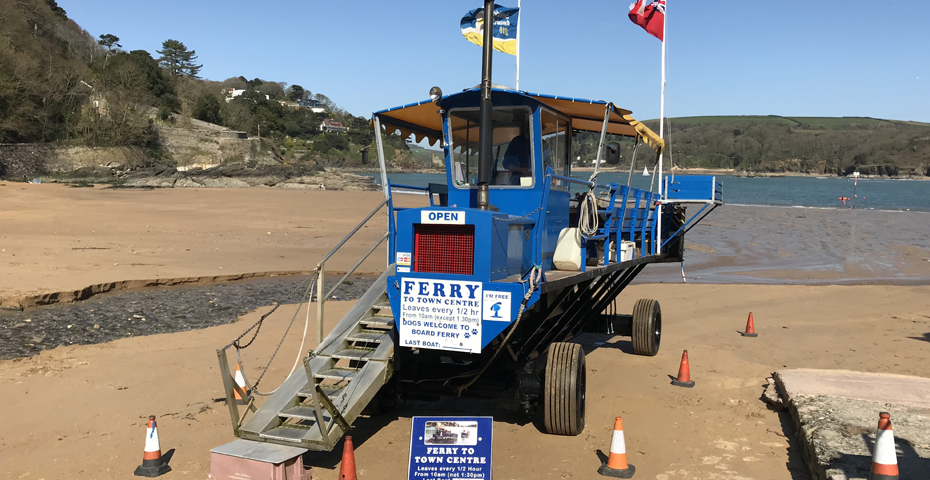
(448, 217)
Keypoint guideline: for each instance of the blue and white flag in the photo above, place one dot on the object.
(504, 29)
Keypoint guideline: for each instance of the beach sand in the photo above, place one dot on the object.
(80, 411)
(58, 239)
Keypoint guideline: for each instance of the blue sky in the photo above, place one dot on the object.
(802, 58)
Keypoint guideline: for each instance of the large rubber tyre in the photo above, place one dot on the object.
(564, 389)
(647, 327)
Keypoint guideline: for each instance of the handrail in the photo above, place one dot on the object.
(321, 271)
(353, 232)
(411, 187)
(357, 264)
(580, 182)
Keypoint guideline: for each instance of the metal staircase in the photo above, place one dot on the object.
(314, 408)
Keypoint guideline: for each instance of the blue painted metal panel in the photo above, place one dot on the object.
(694, 187)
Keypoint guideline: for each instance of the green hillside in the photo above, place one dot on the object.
(822, 145)
(59, 85)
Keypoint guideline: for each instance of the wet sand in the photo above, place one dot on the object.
(57, 239)
(784, 245)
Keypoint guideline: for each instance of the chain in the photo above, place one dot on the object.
(257, 324)
(518, 218)
(257, 327)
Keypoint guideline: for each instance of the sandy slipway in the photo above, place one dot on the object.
(104, 318)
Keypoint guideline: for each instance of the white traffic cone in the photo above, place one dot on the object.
(152, 463)
(240, 381)
(616, 465)
(884, 458)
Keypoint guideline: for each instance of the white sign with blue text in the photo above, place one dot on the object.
(496, 306)
(440, 314)
(448, 217)
(446, 448)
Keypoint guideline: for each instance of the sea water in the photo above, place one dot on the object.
(810, 192)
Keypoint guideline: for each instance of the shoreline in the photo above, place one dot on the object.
(132, 238)
(676, 171)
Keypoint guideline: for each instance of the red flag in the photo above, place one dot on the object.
(651, 17)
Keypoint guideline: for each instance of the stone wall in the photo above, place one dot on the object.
(22, 161)
(27, 161)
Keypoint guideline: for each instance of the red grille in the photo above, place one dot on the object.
(444, 249)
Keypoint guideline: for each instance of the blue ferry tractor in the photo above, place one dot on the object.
(485, 299)
(486, 288)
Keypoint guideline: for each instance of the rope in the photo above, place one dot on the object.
(588, 219)
(257, 326)
(534, 278)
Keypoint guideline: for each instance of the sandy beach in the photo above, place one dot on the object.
(79, 411)
(60, 239)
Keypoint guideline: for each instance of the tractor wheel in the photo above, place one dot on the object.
(647, 327)
(564, 389)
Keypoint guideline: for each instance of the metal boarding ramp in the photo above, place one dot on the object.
(316, 405)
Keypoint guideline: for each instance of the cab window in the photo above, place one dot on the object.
(512, 150)
(556, 132)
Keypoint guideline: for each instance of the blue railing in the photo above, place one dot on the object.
(621, 221)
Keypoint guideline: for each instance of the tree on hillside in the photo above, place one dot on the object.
(325, 102)
(295, 93)
(178, 60)
(207, 108)
(274, 90)
(55, 8)
(109, 41)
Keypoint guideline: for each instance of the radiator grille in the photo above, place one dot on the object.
(444, 249)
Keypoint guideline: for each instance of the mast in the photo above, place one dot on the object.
(519, 21)
(661, 132)
(484, 127)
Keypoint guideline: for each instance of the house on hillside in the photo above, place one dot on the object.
(330, 125)
(289, 104)
(232, 93)
(313, 105)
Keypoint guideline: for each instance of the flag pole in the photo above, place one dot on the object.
(519, 21)
(661, 132)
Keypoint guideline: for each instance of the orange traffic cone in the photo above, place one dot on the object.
(347, 469)
(616, 465)
(750, 328)
(240, 381)
(152, 463)
(684, 373)
(884, 458)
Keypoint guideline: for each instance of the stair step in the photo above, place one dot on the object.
(286, 433)
(367, 337)
(330, 391)
(336, 374)
(303, 412)
(382, 305)
(354, 354)
(378, 322)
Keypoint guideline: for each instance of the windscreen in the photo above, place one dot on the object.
(512, 164)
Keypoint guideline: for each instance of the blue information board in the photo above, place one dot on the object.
(450, 448)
